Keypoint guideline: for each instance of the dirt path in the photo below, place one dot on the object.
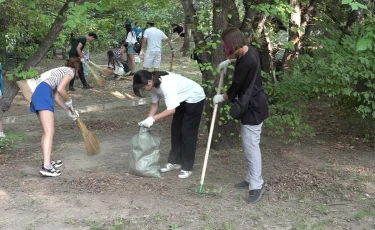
(325, 183)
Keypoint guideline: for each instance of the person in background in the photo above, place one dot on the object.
(138, 31)
(130, 41)
(2, 135)
(184, 99)
(115, 64)
(179, 30)
(246, 59)
(51, 87)
(152, 38)
(76, 51)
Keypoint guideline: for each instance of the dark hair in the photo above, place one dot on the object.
(233, 39)
(142, 77)
(92, 34)
(150, 23)
(112, 60)
(74, 63)
(128, 28)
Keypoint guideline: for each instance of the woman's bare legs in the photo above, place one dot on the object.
(46, 119)
(132, 62)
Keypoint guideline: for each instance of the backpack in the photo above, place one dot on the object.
(138, 43)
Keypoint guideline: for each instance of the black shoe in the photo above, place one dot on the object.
(242, 185)
(130, 74)
(87, 87)
(71, 88)
(256, 195)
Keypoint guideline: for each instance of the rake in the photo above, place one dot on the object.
(200, 190)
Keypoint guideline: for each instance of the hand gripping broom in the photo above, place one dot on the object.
(210, 135)
(91, 141)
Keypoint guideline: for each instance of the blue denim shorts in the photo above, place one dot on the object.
(131, 49)
(42, 98)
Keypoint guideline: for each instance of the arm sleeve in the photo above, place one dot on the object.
(154, 96)
(237, 83)
(128, 37)
(164, 36)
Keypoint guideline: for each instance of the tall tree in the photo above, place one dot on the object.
(56, 27)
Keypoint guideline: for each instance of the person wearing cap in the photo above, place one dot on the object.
(152, 38)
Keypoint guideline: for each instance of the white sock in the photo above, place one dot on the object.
(49, 166)
(2, 134)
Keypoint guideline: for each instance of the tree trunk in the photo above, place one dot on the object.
(186, 47)
(294, 33)
(12, 90)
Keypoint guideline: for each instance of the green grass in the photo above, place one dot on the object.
(364, 213)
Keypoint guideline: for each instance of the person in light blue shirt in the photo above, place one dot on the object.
(138, 30)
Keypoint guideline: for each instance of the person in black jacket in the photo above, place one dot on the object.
(247, 67)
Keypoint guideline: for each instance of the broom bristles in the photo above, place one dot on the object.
(105, 71)
(99, 80)
(91, 141)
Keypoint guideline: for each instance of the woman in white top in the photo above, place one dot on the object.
(184, 99)
(51, 86)
(130, 41)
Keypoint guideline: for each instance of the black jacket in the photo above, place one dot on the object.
(247, 67)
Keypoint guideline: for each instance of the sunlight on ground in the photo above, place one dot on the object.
(118, 95)
(3, 195)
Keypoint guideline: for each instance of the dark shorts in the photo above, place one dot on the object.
(42, 99)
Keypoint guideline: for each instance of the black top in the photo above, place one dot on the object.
(247, 67)
(73, 50)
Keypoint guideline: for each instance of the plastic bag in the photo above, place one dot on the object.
(144, 160)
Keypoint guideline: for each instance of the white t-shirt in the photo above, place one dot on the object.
(154, 37)
(130, 38)
(175, 89)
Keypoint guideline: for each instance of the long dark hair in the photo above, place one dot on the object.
(112, 60)
(74, 63)
(129, 29)
(142, 77)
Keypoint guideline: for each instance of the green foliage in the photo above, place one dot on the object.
(22, 75)
(10, 141)
(287, 103)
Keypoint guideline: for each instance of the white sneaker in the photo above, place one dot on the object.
(184, 174)
(169, 167)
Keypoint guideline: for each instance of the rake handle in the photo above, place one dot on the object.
(210, 135)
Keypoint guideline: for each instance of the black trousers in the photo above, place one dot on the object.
(81, 77)
(185, 126)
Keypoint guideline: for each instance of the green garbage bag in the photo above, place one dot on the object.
(144, 160)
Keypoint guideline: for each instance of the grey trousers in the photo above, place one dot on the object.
(250, 142)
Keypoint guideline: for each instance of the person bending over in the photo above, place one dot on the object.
(51, 87)
(184, 99)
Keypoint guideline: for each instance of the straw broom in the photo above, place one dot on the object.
(99, 80)
(89, 138)
(107, 72)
